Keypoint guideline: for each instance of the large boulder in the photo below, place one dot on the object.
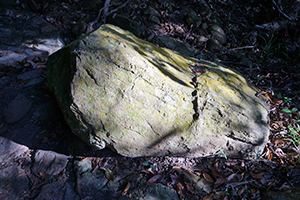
(119, 91)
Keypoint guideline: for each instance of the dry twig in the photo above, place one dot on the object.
(105, 14)
(281, 11)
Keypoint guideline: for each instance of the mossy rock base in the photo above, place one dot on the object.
(120, 91)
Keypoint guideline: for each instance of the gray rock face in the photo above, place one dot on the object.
(119, 91)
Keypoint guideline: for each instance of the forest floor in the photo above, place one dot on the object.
(259, 39)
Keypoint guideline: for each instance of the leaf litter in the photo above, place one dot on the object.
(276, 75)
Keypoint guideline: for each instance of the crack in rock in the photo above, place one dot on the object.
(197, 69)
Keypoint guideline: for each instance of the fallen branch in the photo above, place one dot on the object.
(281, 11)
(105, 14)
(118, 8)
(105, 11)
(90, 26)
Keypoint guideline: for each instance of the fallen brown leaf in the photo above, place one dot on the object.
(207, 177)
(180, 189)
(155, 178)
(126, 189)
(43, 175)
(258, 176)
(190, 188)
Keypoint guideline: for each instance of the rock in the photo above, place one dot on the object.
(213, 44)
(174, 44)
(17, 108)
(49, 163)
(159, 191)
(218, 34)
(282, 195)
(93, 5)
(199, 183)
(14, 181)
(10, 150)
(89, 182)
(119, 91)
(57, 190)
(14, 184)
(79, 28)
(152, 15)
(26, 38)
(33, 5)
(126, 23)
(191, 17)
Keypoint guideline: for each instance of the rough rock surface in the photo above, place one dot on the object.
(119, 91)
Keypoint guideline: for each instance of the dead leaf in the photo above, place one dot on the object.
(207, 177)
(109, 175)
(219, 182)
(174, 178)
(6, 187)
(208, 197)
(154, 179)
(279, 152)
(190, 188)
(177, 167)
(286, 186)
(219, 177)
(231, 177)
(95, 163)
(225, 198)
(240, 191)
(42, 42)
(180, 189)
(19, 52)
(258, 176)
(126, 189)
(43, 175)
(117, 166)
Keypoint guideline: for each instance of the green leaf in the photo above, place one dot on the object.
(146, 163)
(153, 167)
(286, 110)
(294, 109)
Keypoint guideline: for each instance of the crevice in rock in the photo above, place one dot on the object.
(92, 76)
(231, 135)
(73, 175)
(131, 129)
(197, 69)
(152, 128)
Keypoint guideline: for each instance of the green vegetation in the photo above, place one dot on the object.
(272, 47)
(293, 135)
(223, 155)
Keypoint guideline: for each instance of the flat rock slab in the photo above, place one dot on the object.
(17, 108)
(119, 91)
(24, 36)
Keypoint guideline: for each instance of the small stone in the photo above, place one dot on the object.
(218, 34)
(79, 28)
(33, 5)
(154, 19)
(5, 32)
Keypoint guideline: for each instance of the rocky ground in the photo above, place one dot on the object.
(41, 159)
